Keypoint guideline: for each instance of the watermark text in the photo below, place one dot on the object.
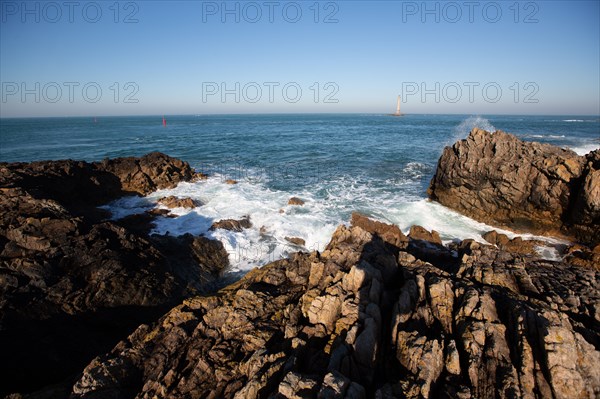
(269, 11)
(69, 11)
(454, 92)
(71, 92)
(470, 11)
(271, 92)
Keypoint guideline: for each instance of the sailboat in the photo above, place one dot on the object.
(398, 113)
(164, 121)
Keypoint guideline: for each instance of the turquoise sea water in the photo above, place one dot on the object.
(377, 164)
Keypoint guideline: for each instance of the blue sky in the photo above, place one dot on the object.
(192, 57)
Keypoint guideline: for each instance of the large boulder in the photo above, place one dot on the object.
(338, 324)
(585, 214)
(525, 186)
(79, 184)
(147, 174)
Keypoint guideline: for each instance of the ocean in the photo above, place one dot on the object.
(337, 163)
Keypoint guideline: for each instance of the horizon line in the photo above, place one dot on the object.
(279, 113)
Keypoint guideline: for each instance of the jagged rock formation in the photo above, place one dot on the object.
(585, 214)
(368, 318)
(77, 184)
(497, 178)
(232, 224)
(516, 245)
(73, 284)
(175, 202)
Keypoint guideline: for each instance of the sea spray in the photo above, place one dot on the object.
(464, 128)
(585, 149)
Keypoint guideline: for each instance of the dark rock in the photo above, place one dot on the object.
(231, 181)
(497, 178)
(72, 285)
(149, 173)
(296, 241)
(232, 224)
(331, 325)
(585, 214)
(141, 223)
(198, 259)
(427, 246)
(79, 185)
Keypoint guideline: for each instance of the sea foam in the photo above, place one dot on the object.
(384, 190)
(585, 148)
(273, 220)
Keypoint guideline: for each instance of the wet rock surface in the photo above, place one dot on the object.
(369, 318)
(73, 283)
(295, 201)
(232, 224)
(79, 184)
(176, 202)
(497, 178)
(296, 241)
(516, 245)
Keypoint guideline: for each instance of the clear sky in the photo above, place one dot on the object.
(67, 58)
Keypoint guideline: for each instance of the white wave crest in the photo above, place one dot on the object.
(544, 136)
(327, 205)
(584, 149)
(464, 128)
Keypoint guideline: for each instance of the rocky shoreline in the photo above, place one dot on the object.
(72, 283)
(93, 308)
